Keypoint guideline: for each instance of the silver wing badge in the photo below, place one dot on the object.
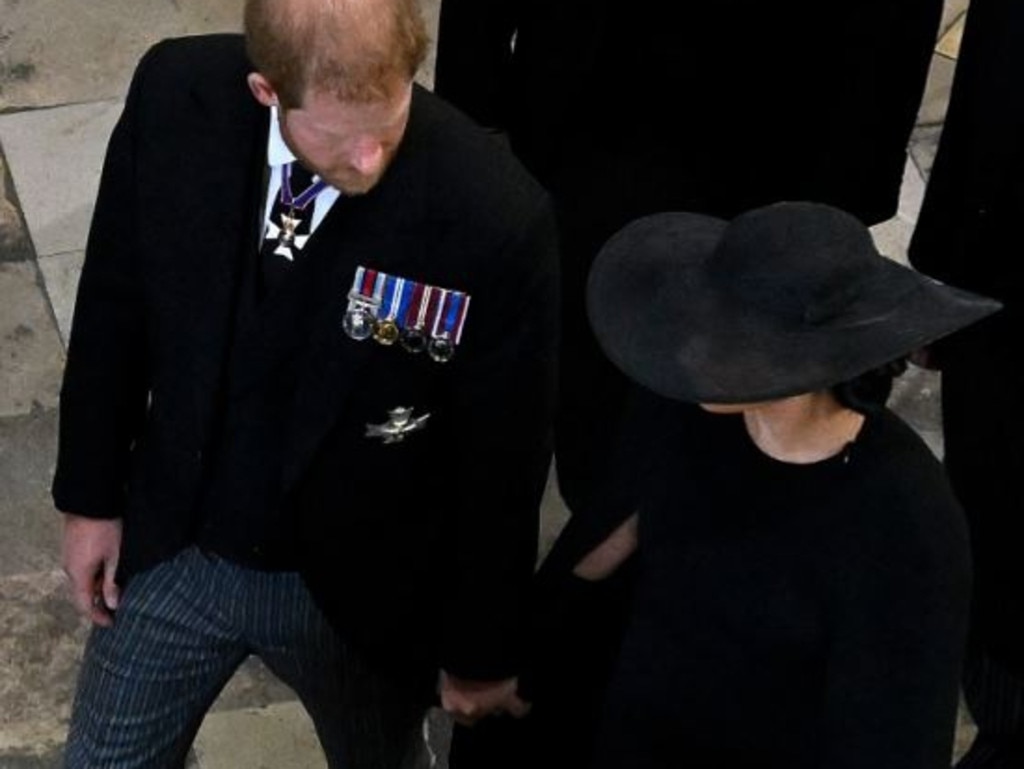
(400, 423)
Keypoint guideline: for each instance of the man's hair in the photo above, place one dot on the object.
(353, 49)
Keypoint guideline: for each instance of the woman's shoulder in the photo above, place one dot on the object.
(898, 506)
(891, 450)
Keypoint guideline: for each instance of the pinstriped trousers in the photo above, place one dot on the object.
(181, 631)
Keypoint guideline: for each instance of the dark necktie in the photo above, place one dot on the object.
(289, 227)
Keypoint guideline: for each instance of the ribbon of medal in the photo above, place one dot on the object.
(385, 330)
(413, 339)
(287, 237)
(363, 302)
(448, 323)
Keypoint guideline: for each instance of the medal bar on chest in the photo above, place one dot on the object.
(418, 316)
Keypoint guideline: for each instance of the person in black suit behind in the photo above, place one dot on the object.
(969, 232)
(626, 109)
(307, 400)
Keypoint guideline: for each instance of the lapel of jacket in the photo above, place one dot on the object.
(225, 164)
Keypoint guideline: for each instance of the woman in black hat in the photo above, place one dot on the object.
(804, 571)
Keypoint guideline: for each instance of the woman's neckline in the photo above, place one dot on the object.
(804, 430)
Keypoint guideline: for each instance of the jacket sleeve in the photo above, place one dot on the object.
(104, 391)
(507, 402)
(474, 57)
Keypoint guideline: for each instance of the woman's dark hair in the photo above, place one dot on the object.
(869, 391)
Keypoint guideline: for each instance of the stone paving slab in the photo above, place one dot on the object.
(966, 731)
(281, 737)
(31, 528)
(911, 190)
(276, 737)
(41, 640)
(31, 356)
(27, 760)
(949, 42)
(252, 686)
(924, 139)
(937, 89)
(55, 157)
(60, 274)
(14, 242)
(916, 398)
(892, 236)
(553, 515)
(952, 10)
(924, 145)
(58, 52)
(431, 13)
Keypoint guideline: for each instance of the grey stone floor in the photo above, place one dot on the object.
(64, 68)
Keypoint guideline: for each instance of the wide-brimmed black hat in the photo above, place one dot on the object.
(784, 299)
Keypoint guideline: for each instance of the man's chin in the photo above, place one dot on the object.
(353, 187)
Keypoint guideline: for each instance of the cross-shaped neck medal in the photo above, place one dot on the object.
(285, 234)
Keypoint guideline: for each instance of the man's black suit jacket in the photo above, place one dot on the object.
(970, 218)
(969, 234)
(418, 550)
(704, 106)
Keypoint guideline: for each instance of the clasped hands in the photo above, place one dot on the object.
(469, 701)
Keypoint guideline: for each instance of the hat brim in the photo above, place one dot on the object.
(665, 325)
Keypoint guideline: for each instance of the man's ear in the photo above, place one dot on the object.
(262, 89)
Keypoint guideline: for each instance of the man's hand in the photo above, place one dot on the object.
(469, 701)
(90, 553)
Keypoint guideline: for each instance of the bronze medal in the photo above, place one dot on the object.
(386, 331)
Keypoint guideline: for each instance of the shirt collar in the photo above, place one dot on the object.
(277, 151)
